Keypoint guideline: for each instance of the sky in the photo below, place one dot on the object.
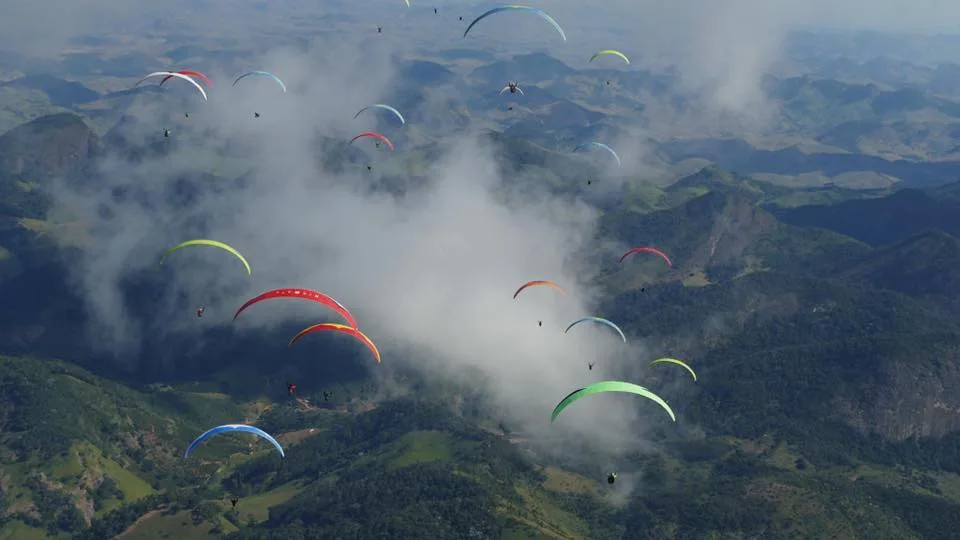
(429, 275)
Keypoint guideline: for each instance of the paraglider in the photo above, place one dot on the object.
(610, 386)
(189, 73)
(611, 478)
(306, 294)
(590, 365)
(343, 329)
(538, 283)
(379, 29)
(384, 107)
(230, 428)
(589, 182)
(542, 14)
(212, 243)
(610, 52)
(200, 312)
(513, 87)
(166, 132)
(326, 395)
(186, 115)
(434, 11)
(179, 76)
(677, 362)
(602, 146)
(256, 114)
(375, 136)
(655, 251)
(234, 502)
(291, 389)
(262, 74)
(599, 320)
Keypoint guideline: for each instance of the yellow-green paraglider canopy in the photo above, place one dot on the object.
(609, 52)
(211, 243)
(677, 362)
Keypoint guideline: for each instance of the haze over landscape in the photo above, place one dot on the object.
(794, 166)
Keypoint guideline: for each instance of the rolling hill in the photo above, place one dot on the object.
(805, 323)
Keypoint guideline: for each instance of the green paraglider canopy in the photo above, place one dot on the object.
(610, 386)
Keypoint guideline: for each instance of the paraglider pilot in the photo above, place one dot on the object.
(256, 115)
(234, 502)
(590, 365)
(539, 323)
(326, 395)
(379, 29)
(200, 312)
(611, 478)
(513, 87)
(166, 132)
(291, 389)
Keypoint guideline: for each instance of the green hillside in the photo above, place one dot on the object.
(818, 313)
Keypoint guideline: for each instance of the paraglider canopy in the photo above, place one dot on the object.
(169, 74)
(610, 52)
(343, 329)
(610, 386)
(539, 283)
(305, 294)
(598, 320)
(375, 136)
(227, 428)
(655, 251)
(677, 362)
(189, 73)
(211, 243)
(384, 107)
(539, 12)
(262, 74)
(513, 87)
(594, 144)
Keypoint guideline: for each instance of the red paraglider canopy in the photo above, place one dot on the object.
(306, 294)
(189, 73)
(375, 135)
(653, 250)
